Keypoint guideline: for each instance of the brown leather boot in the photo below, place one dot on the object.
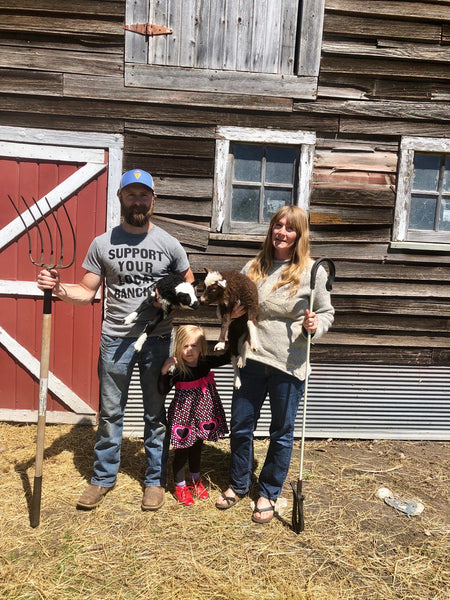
(153, 498)
(92, 496)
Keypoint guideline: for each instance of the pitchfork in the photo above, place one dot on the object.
(55, 261)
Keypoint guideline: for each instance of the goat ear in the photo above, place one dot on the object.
(222, 283)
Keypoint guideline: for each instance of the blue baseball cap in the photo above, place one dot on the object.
(136, 176)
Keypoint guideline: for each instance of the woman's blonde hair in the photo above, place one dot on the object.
(183, 335)
(263, 262)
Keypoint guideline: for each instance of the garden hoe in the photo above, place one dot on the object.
(38, 215)
(298, 523)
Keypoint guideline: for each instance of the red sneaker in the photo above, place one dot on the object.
(198, 489)
(183, 495)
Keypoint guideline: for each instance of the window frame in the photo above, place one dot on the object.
(402, 237)
(222, 177)
(302, 85)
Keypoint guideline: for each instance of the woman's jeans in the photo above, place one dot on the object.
(285, 392)
(115, 367)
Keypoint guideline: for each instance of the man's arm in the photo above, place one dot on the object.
(188, 275)
(81, 293)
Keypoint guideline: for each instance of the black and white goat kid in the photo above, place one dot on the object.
(228, 289)
(171, 291)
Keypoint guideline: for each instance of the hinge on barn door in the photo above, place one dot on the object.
(148, 29)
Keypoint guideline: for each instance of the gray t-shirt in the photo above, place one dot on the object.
(130, 264)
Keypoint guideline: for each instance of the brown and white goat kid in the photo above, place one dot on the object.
(229, 289)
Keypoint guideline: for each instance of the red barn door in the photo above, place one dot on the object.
(77, 177)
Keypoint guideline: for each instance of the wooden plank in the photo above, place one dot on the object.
(186, 187)
(391, 50)
(363, 322)
(186, 233)
(356, 161)
(162, 113)
(352, 196)
(385, 68)
(311, 37)
(60, 60)
(175, 131)
(419, 11)
(171, 166)
(66, 26)
(382, 109)
(181, 207)
(62, 122)
(135, 44)
(113, 88)
(370, 235)
(376, 87)
(343, 215)
(393, 290)
(402, 306)
(393, 127)
(377, 355)
(153, 145)
(101, 8)
(406, 341)
(391, 272)
(374, 27)
(225, 82)
(15, 81)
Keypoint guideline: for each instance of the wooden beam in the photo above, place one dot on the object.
(418, 11)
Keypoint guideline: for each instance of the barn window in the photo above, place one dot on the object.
(257, 172)
(226, 46)
(423, 192)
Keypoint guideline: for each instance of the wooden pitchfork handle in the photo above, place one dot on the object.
(43, 388)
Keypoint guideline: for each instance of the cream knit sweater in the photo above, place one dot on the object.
(281, 341)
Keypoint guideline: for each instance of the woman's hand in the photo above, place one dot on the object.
(238, 311)
(169, 362)
(310, 322)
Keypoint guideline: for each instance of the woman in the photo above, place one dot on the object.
(281, 271)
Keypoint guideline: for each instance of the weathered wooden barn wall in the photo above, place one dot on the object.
(384, 73)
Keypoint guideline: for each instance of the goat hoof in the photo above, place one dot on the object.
(130, 319)
(219, 346)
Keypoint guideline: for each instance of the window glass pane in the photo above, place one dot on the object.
(247, 162)
(280, 165)
(245, 204)
(446, 187)
(274, 199)
(444, 217)
(426, 171)
(422, 212)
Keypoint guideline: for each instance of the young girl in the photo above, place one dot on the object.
(196, 412)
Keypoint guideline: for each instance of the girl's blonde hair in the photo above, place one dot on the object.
(263, 262)
(183, 335)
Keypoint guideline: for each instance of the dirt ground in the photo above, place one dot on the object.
(354, 545)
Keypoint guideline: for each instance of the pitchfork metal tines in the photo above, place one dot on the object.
(50, 257)
(38, 216)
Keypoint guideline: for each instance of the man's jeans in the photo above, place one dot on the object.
(285, 392)
(115, 367)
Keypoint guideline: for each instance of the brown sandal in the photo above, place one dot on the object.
(230, 501)
(270, 509)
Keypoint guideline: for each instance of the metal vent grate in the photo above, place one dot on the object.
(350, 401)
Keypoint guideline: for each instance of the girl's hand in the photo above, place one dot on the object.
(310, 321)
(167, 364)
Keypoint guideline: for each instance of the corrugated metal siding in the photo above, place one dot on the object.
(351, 401)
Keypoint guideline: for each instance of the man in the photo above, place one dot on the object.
(128, 259)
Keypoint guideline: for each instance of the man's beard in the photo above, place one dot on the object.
(135, 216)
